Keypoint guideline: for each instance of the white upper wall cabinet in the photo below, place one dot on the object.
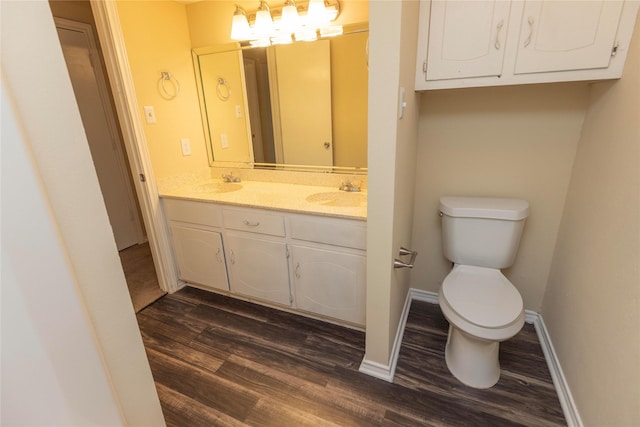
(504, 42)
(561, 36)
(466, 39)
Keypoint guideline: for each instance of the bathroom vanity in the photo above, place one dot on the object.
(295, 247)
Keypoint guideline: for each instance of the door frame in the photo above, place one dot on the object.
(96, 62)
(115, 57)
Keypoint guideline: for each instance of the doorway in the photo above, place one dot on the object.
(99, 120)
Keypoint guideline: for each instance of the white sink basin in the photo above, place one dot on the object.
(338, 198)
(216, 187)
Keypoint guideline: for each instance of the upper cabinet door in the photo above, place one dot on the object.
(466, 38)
(567, 35)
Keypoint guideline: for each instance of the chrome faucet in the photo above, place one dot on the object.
(228, 177)
(349, 186)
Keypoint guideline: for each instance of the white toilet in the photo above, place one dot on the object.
(480, 236)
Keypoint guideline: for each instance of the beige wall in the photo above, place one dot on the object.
(514, 141)
(156, 36)
(592, 304)
(392, 145)
(50, 124)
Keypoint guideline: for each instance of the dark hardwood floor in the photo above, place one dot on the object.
(141, 276)
(218, 361)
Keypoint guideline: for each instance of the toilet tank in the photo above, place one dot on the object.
(482, 231)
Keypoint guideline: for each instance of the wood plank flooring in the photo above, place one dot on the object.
(141, 276)
(218, 361)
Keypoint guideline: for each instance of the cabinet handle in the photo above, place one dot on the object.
(297, 272)
(218, 256)
(251, 224)
(528, 40)
(233, 257)
(498, 29)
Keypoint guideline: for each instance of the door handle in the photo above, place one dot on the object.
(404, 252)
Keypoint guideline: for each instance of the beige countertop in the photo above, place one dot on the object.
(310, 199)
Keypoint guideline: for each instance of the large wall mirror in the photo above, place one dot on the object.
(301, 105)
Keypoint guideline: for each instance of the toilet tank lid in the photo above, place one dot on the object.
(485, 207)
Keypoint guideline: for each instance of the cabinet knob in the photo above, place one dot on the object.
(297, 272)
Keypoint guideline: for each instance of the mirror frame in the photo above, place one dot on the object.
(234, 47)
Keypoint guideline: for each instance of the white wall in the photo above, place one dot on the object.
(43, 383)
(35, 75)
(512, 141)
(592, 304)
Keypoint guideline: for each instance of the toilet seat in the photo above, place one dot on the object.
(482, 296)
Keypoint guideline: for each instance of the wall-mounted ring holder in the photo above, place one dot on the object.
(175, 85)
(223, 89)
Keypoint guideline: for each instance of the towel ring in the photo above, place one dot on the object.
(223, 89)
(175, 83)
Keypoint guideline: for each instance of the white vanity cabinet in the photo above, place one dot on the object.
(196, 240)
(199, 256)
(257, 255)
(503, 42)
(312, 264)
(329, 266)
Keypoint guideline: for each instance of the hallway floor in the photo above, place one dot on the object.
(141, 276)
(219, 361)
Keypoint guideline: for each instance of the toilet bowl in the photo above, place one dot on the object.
(480, 236)
(483, 308)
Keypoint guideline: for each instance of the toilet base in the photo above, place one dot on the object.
(473, 361)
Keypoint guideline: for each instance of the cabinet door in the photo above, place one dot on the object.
(466, 38)
(258, 268)
(330, 283)
(199, 256)
(567, 35)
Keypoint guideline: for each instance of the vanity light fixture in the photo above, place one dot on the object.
(263, 25)
(290, 20)
(240, 29)
(276, 25)
(317, 15)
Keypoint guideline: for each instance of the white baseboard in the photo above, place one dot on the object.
(387, 372)
(567, 403)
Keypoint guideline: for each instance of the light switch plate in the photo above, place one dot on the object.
(149, 114)
(224, 141)
(186, 146)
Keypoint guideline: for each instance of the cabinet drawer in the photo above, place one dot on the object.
(331, 231)
(193, 212)
(254, 221)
